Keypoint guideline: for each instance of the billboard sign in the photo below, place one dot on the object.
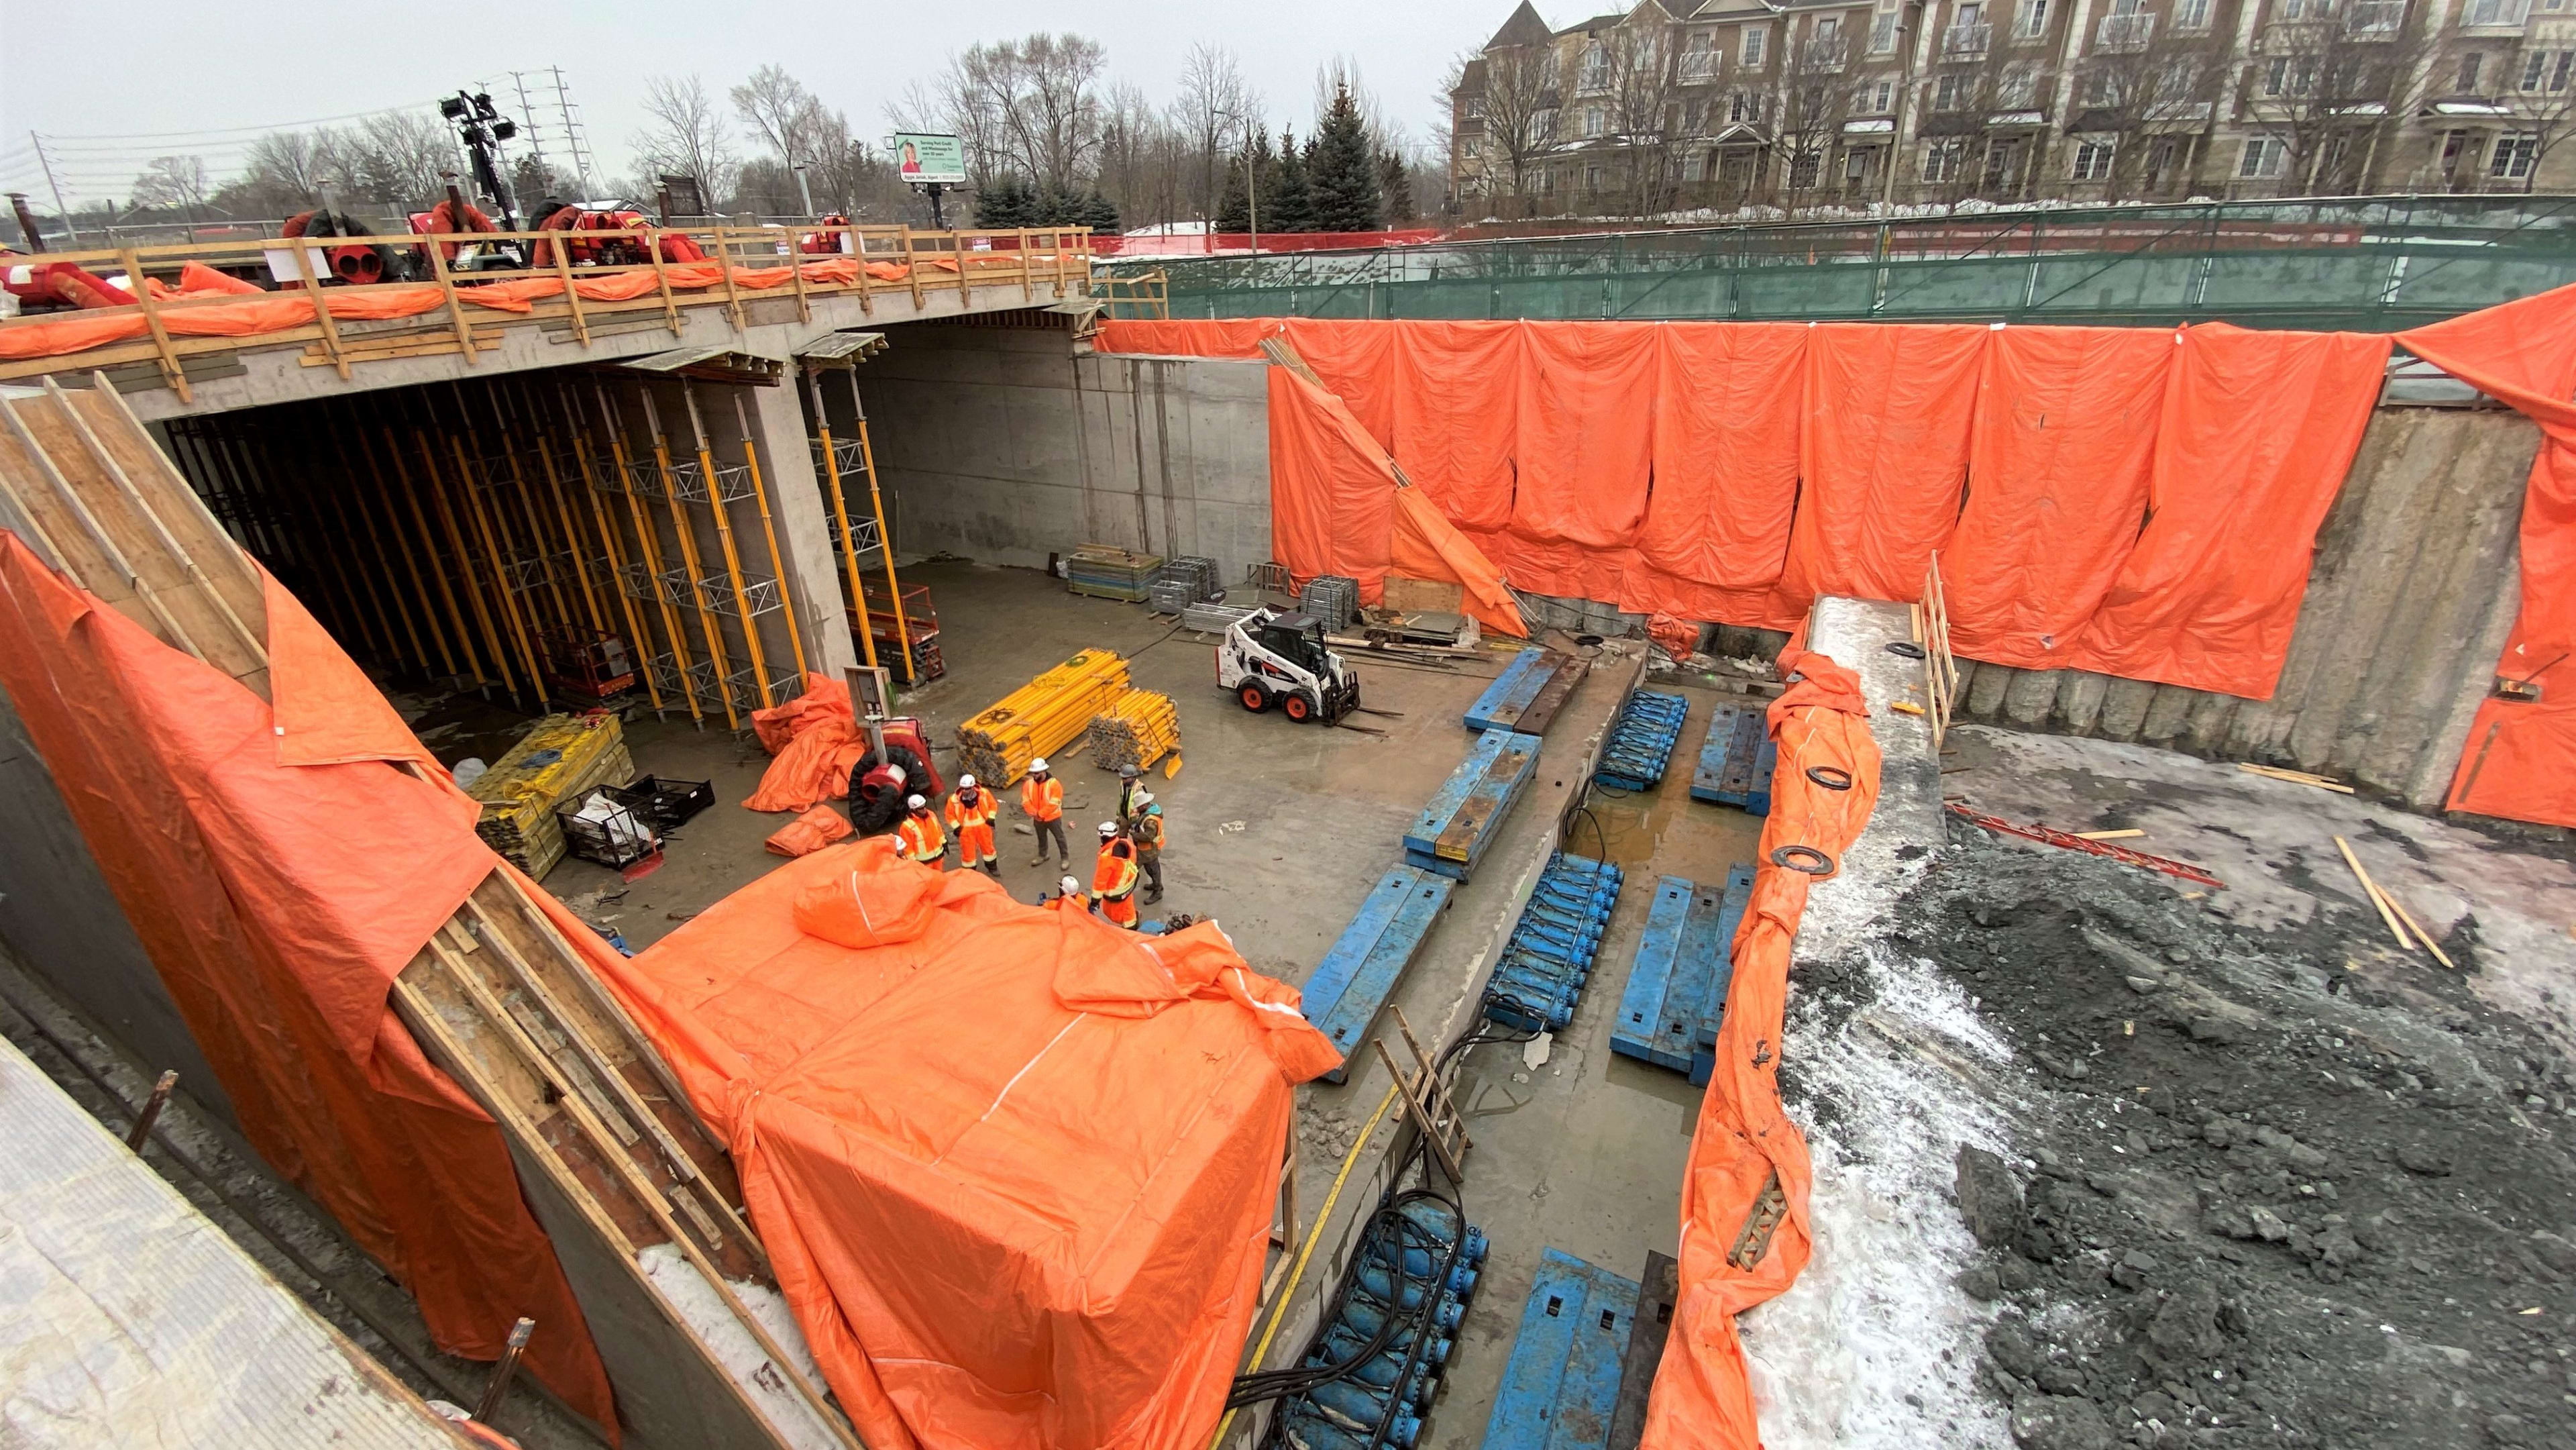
(928, 158)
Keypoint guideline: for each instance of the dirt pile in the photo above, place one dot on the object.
(2266, 1187)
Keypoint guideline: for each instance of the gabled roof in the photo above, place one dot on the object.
(1524, 28)
(1616, 18)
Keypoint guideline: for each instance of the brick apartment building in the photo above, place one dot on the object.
(1801, 104)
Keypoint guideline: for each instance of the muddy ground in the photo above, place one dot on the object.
(2266, 1185)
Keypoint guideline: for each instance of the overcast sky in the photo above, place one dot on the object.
(218, 74)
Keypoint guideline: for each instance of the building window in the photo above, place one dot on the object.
(1695, 115)
(1593, 118)
(2030, 20)
(2018, 89)
(2191, 14)
(1743, 108)
(2544, 70)
(1473, 108)
(2093, 161)
(1882, 33)
(1951, 91)
(1699, 61)
(1881, 98)
(2290, 75)
(2496, 12)
(1941, 159)
(2262, 158)
(2514, 155)
(1827, 33)
(1856, 164)
(1543, 127)
(1802, 171)
(2471, 65)
(1694, 166)
(1755, 37)
(1595, 75)
(1592, 178)
(1547, 180)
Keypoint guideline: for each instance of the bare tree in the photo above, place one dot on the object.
(2329, 87)
(1517, 104)
(173, 183)
(1028, 108)
(398, 157)
(1644, 91)
(687, 138)
(1212, 114)
(1811, 100)
(2127, 97)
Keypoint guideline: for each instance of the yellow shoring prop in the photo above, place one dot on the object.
(769, 529)
(841, 515)
(689, 554)
(724, 537)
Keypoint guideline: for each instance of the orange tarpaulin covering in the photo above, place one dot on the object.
(249, 846)
(1885, 455)
(1332, 494)
(2259, 429)
(2520, 760)
(1743, 1140)
(1755, 465)
(283, 311)
(1015, 1167)
(2065, 436)
(1356, 361)
(816, 741)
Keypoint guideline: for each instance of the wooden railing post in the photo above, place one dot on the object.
(724, 269)
(170, 373)
(1028, 286)
(455, 307)
(572, 299)
(321, 307)
(912, 266)
(662, 279)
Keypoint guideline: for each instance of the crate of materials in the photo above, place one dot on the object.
(665, 805)
(1138, 729)
(603, 829)
(1195, 572)
(1104, 572)
(1041, 717)
(560, 759)
(1332, 598)
(1171, 596)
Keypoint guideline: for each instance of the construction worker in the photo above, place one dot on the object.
(1145, 828)
(1113, 881)
(970, 815)
(1042, 798)
(919, 837)
(1130, 787)
(1068, 890)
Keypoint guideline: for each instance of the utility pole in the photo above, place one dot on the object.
(1906, 17)
(55, 186)
(536, 144)
(805, 189)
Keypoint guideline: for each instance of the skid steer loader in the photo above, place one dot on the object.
(1272, 657)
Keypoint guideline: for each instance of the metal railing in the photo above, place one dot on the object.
(604, 276)
(1965, 41)
(2355, 262)
(2125, 32)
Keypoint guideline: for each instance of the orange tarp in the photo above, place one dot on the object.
(1455, 413)
(2058, 464)
(816, 741)
(1885, 455)
(1584, 432)
(1728, 399)
(2259, 429)
(1356, 361)
(1332, 495)
(280, 872)
(2520, 760)
(1015, 1167)
(1702, 1396)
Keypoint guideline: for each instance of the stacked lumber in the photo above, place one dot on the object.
(1105, 572)
(1041, 717)
(1138, 729)
(561, 758)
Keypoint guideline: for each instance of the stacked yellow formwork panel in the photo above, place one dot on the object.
(560, 758)
(1041, 717)
(1139, 728)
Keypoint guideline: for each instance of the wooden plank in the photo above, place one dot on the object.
(322, 317)
(1658, 1292)
(143, 298)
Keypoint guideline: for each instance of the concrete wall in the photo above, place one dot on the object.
(1000, 444)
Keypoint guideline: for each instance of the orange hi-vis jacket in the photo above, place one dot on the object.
(1042, 799)
(920, 839)
(1113, 882)
(973, 825)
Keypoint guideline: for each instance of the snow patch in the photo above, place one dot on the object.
(705, 1312)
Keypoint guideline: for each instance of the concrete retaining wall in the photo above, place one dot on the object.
(998, 443)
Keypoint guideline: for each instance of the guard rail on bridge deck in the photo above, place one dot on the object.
(578, 281)
(2370, 263)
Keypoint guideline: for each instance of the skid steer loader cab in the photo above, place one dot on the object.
(1273, 658)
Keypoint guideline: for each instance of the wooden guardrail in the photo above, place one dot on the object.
(598, 275)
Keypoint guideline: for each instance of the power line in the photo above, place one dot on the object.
(253, 131)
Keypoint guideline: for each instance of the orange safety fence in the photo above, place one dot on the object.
(262, 312)
(1744, 1145)
(1015, 1167)
(281, 871)
(2137, 503)
(2520, 758)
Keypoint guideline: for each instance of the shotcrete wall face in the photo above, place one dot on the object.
(1003, 445)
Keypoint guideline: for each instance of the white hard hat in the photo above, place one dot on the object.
(914, 802)
(894, 770)
(1109, 828)
(1037, 766)
(1144, 798)
(965, 782)
(1071, 886)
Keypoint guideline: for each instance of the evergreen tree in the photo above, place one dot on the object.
(1288, 203)
(1235, 213)
(1007, 202)
(1341, 176)
(1395, 182)
(1098, 213)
